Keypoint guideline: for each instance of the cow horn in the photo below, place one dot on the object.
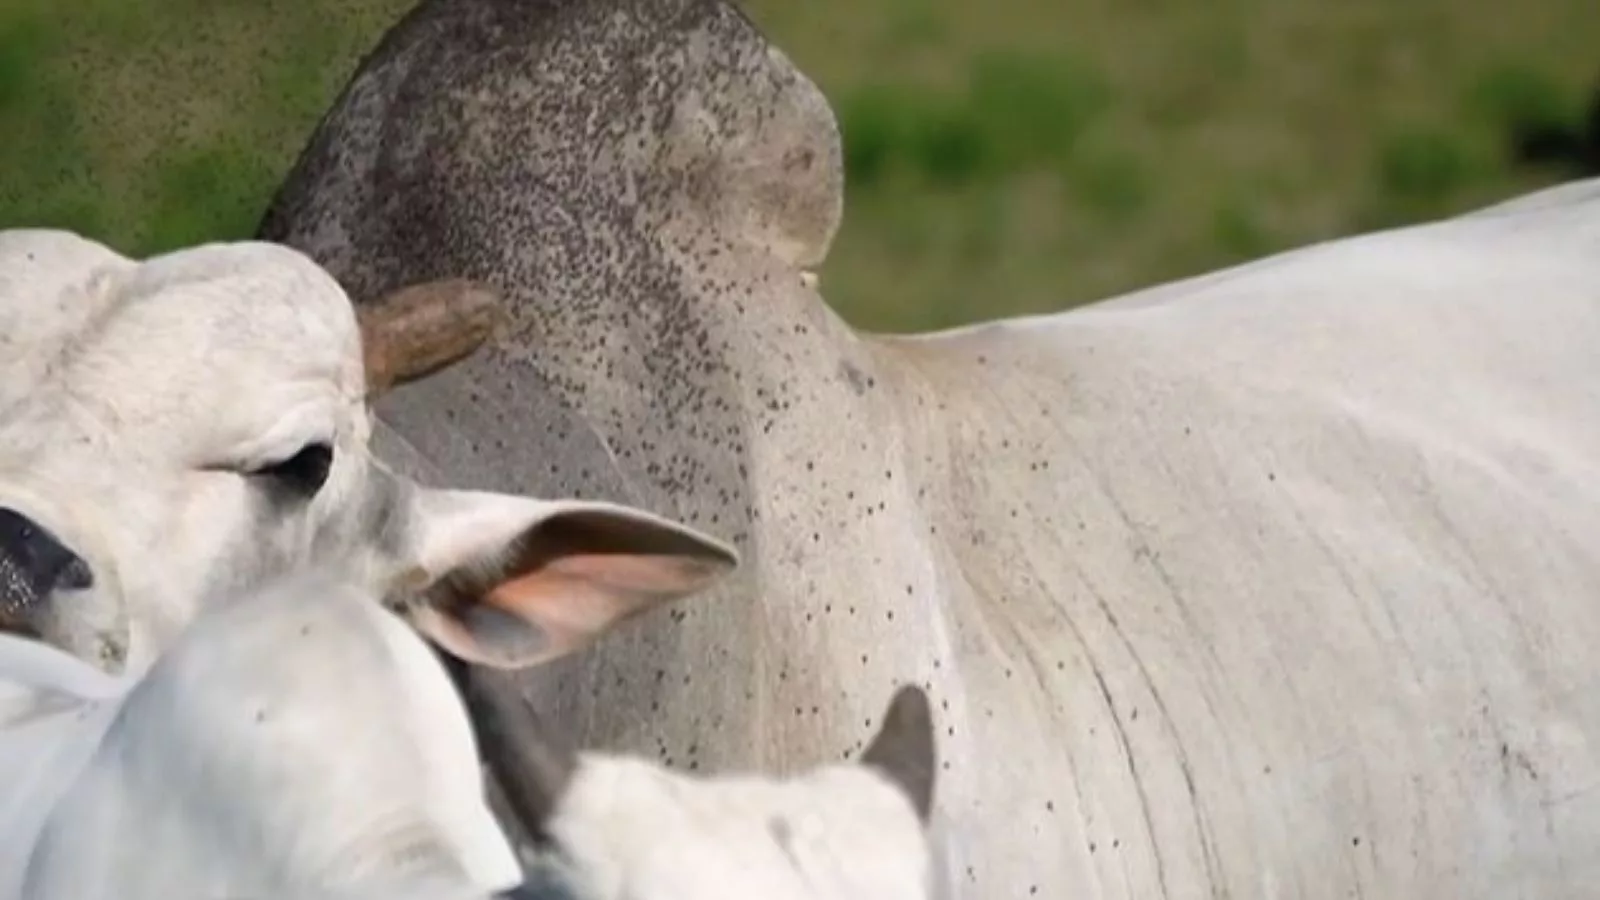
(418, 330)
(903, 748)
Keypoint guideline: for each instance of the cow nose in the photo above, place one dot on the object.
(35, 554)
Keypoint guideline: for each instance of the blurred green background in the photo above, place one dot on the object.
(1005, 156)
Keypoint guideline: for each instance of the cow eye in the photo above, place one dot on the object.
(304, 473)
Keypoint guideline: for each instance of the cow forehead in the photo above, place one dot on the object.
(201, 328)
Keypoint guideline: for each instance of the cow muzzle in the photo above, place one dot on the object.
(34, 565)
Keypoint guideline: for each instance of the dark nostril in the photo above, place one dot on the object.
(75, 576)
(45, 560)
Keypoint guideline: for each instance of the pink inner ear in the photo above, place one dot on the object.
(574, 599)
(635, 573)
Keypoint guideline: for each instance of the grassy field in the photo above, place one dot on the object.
(1007, 156)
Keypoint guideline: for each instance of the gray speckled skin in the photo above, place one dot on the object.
(646, 181)
(642, 180)
(1273, 583)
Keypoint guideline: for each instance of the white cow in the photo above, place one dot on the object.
(302, 742)
(622, 828)
(302, 739)
(1280, 582)
(193, 424)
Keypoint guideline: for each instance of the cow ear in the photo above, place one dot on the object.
(903, 749)
(509, 582)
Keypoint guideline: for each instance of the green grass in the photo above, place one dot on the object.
(1510, 94)
(1005, 157)
(155, 124)
(1015, 114)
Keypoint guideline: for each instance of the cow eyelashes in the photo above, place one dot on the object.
(304, 473)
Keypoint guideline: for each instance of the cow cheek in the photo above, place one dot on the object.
(218, 539)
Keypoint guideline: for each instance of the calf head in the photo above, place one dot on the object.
(194, 424)
(298, 741)
(621, 828)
